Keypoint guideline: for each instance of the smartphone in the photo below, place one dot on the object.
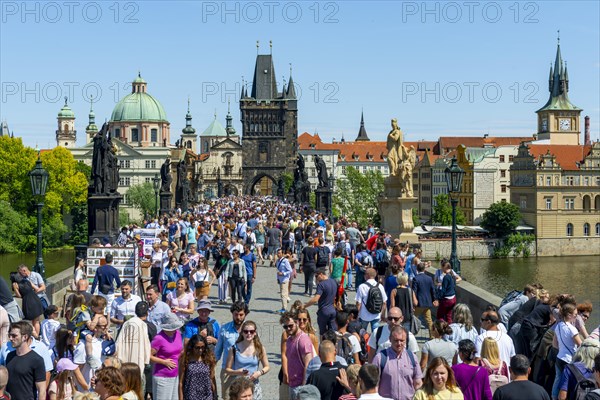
(245, 371)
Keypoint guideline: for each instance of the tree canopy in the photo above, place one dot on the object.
(442, 212)
(501, 218)
(142, 197)
(356, 195)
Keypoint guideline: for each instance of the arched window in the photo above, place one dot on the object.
(598, 229)
(569, 229)
(597, 203)
(66, 129)
(586, 229)
(587, 202)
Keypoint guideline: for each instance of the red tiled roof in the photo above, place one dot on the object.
(349, 150)
(452, 142)
(567, 156)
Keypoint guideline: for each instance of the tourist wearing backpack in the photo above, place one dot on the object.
(578, 377)
(370, 300)
(520, 388)
(595, 394)
(348, 345)
(382, 260)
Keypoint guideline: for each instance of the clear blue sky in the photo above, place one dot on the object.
(346, 56)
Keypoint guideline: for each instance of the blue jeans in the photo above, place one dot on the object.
(248, 291)
(559, 366)
(349, 276)
(374, 324)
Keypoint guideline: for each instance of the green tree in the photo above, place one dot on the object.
(415, 217)
(16, 161)
(356, 195)
(142, 197)
(15, 230)
(67, 185)
(501, 218)
(442, 212)
(288, 181)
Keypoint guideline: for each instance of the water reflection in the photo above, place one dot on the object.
(579, 276)
(55, 262)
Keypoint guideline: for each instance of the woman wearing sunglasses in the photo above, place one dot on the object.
(246, 355)
(197, 371)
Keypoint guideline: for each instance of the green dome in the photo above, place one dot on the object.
(215, 129)
(66, 112)
(138, 107)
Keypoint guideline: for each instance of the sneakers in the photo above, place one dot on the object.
(280, 311)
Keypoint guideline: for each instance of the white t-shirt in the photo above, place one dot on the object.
(566, 345)
(384, 340)
(362, 295)
(505, 344)
(121, 308)
(80, 358)
(48, 332)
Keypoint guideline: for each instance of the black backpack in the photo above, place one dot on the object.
(341, 246)
(322, 256)
(343, 348)
(583, 386)
(298, 234)
(374, 301)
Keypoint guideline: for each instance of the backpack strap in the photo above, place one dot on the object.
(378, 334)
(382, 361)
(576, 373)
(411, 356)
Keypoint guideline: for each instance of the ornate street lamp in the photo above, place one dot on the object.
(454, 178)
(156, 184)
(38, 177)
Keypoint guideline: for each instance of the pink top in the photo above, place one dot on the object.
(183, 302)
(68, 389)
(167, 348)
(296, 348)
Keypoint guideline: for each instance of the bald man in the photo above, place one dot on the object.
(325, 378)
(88, 352)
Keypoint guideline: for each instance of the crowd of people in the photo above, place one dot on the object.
(373, 295)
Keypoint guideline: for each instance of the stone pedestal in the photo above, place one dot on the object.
(324, 200)
(165, 202)
(395, 210)
(103, 216)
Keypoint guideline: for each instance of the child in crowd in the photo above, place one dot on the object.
(49, 326)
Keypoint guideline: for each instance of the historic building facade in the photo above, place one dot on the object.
(269, 128)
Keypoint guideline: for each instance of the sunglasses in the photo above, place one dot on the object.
(302, 319)
(585, 316)
(249, 331)
(485, 319)
(198, 347)
(289, 326)
(393, 319)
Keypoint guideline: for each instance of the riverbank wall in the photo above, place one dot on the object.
(436, 249)
(473, 296)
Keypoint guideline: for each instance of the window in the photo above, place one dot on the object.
(569, 229)
(153, 164)
(586, 229)
(502, 158)
(426, 187)
(598, 229)
(121, 181)
(502, 173)
(548, 181)
(154, 135)
(135, 135)
(125, 163)
(147, 180)
(426, 200)
(117, 132)
(147, 164)
(548, 203)
(263, 152)
(503, 188)
(523, 202)
(569, 203)
(569, 181)
(503, 201)
(343, 170)
(598, 181)
(125, 199)
(511, 158)
(586, 181)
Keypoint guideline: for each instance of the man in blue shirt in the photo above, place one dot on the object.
(424, 289)
(203, 325)
(105, 278)
(228, 334)
(250, 261)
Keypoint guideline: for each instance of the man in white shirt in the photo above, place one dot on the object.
(380, 338)
(368, 379)
(89, 363)
(124, 307)
(489, 322)
(362, 294)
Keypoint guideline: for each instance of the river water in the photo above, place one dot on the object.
(577, 275)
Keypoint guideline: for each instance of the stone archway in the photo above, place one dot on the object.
(230, 190)
(262, 185)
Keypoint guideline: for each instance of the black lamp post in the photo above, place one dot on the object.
(454, 178)
(38, 177)
(156, 184)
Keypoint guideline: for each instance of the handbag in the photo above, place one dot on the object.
(415, 322)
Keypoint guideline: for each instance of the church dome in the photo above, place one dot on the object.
(138, 106)
(215, 129)
(66, 111)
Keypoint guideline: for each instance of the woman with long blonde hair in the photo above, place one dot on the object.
(246, 356)
(490, 358)
(439, 383)
(133, 381)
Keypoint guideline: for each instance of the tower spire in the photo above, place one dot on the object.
(291, 90)
(362, 132)
(257, 47)
(229, 120)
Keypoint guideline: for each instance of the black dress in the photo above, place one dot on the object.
(32, 305)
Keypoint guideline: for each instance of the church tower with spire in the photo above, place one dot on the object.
(362, 132)
(558, 119)
(66, 135)
(189, 139)
(91, 129)
(269, 128)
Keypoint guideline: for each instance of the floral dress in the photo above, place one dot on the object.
(196, 383)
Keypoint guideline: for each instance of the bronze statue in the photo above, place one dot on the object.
(99, 167)
(321, 172)
(165, 176)
(112, 168)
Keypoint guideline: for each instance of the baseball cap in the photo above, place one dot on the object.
(64, 364)
(204, 305)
